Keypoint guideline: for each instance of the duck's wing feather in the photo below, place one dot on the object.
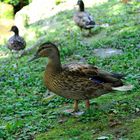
(83, 70)
(95, 74)
(84, 19)
(21, 41)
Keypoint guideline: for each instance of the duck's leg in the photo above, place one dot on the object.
(87, 104)
(82, 32)
(76, 106)
(21, 53)
(12, 54)
(90, 33)
(81, 29)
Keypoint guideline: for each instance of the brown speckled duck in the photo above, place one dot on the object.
(76, 81)
(83, 19)
(16, 42)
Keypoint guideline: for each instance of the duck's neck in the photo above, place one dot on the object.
(54, 65)
(81, 6)
(16, 32)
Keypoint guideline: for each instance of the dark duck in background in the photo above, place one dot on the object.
(16, 42)
(77, 81)
(83, 19)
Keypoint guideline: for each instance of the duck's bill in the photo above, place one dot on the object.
(33, 58)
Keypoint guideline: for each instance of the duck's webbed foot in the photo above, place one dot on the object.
(74, 111)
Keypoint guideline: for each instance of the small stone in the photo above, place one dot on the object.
(103, 53)
(105, 25)
(71, 112)
(137, 109)
(103, 138)
(78, 113)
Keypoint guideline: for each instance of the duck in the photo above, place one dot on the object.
(77, 81)
(125, 1)
(83, 19)
(16, 42)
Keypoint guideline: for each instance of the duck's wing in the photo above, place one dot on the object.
(95, 74)
(84, 19)
(83, 70)
(21, 42)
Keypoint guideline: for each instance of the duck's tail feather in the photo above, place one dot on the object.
(123, 88)
(117, 75)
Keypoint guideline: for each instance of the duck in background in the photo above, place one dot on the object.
(125, 1)
(77, 81)
(16, 42)
(83, 19)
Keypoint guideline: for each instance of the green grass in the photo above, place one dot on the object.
(6, 11)
(24, 113)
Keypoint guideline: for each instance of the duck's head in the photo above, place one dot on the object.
(79, 2)
(81, 5)
(14, 29)
(47, 49)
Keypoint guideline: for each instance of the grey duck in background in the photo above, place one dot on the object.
(83, 19)
(16, 42)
